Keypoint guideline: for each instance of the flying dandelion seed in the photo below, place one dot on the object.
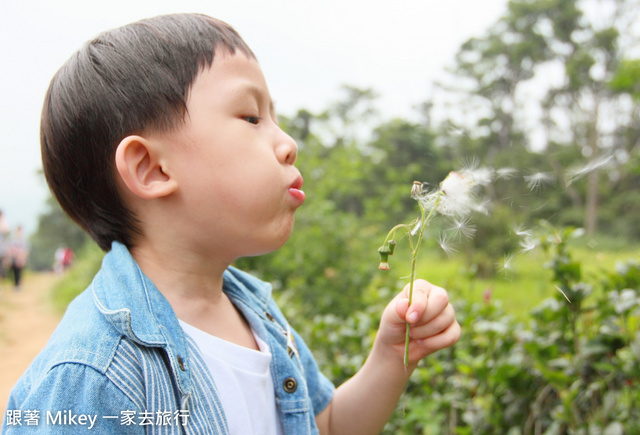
(577, 173)
(507, 263)
(482, 207)
(462, 227)
(506, 173)
(480, 176)
(538, 180)
(445, 245)
(527, 245)
(521, 231)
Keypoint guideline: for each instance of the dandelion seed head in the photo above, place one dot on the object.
(455, 195)
(469, 164)
(538, 180)
(479, 176)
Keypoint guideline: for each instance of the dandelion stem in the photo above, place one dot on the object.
(414, 258)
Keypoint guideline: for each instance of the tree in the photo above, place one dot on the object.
(55, 229)
(572, 53)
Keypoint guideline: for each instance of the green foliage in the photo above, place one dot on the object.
(573, 368)
(627, 78)
(55, 229)
(78, 277)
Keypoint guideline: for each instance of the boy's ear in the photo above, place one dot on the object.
(140, 164)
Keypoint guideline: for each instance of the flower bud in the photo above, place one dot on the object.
(392, 246)
(384, 252)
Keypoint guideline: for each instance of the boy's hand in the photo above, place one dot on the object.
(432, 319)
(379, 383)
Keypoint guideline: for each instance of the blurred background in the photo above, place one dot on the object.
(541, 94)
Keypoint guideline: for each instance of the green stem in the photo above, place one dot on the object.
(408, 326)
(392, 234)
(423, 225)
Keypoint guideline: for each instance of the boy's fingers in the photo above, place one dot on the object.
(421, 289)
(428, 302)
(446, 338)
(436, 325)
(402, 305)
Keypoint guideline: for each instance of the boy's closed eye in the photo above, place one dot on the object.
(252, 119)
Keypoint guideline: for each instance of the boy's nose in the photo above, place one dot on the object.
(287, 150)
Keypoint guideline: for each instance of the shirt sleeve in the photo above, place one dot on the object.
(70, 398)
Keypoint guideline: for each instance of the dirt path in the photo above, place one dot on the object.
(27, 320)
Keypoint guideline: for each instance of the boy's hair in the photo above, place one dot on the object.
(130, 80)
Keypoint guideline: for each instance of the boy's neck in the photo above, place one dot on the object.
(193, 287)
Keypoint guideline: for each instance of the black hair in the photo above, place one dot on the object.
(125, 81)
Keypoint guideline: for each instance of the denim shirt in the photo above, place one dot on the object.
(119, 362)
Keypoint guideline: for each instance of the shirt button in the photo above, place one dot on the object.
(290, 385)
(180, 363)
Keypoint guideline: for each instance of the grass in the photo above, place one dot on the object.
(525, 284)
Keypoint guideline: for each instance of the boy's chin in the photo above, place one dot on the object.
(268, 249)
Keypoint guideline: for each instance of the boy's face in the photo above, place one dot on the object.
(237, 186)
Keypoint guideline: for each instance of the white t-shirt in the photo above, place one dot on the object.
(243, 380)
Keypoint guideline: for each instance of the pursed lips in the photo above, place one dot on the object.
(295, 189)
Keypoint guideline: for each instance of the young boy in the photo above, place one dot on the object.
(160, 140)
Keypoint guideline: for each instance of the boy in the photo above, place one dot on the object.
(160, 140)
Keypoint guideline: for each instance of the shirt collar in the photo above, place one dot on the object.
(136, 308)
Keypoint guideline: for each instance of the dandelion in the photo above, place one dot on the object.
(462, 227)
(538, 180)
(455, 197)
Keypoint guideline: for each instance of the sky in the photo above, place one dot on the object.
(307, 50)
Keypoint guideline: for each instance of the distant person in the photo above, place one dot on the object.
(18, 254)
(63, 259)
(4, 244)
(161, 140)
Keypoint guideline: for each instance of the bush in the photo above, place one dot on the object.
(574, 368)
